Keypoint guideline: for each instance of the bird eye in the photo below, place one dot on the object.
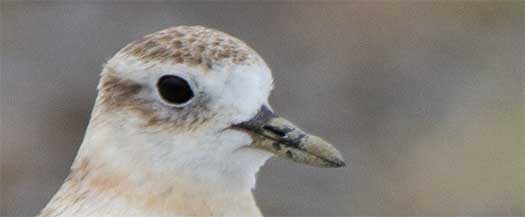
(174, 89)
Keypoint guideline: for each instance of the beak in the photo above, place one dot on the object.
(277, 135)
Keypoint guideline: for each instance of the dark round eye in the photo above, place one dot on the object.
(174, 89)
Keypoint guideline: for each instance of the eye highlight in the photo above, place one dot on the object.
(174, 89)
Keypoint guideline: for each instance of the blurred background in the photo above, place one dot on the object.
(425, 99)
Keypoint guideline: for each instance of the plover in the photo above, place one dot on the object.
(180, 127)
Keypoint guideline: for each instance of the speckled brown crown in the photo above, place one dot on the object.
(193, 45)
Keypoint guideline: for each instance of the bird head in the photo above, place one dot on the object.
(194, 98)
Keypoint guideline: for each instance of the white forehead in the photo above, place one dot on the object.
(239, 89)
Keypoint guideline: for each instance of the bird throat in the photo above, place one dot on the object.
(107, 180)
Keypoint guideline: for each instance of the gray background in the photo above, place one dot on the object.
(424, 99)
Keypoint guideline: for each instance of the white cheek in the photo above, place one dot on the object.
(234, 139)
(246, 90)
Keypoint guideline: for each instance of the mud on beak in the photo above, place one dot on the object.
(277, 135)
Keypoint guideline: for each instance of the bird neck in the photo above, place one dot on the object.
(102, 191)
(116, 170)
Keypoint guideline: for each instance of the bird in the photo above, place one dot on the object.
(180, 127)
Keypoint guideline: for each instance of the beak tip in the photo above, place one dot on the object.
(337, 163)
